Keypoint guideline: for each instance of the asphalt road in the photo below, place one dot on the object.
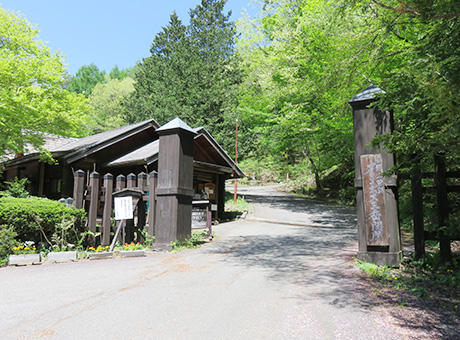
(285, 272)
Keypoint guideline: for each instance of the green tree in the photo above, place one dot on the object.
(116, 73)
(160, 84)
(192, 73)
(300, 76)
(420, 76)
(214, 70)
(87, 77)
(32, 97)
(106, 102)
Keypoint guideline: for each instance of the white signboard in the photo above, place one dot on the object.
(123, 208)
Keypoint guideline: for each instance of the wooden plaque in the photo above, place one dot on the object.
(374, 200)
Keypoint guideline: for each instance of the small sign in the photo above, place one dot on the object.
(199, 217)
(123, 208)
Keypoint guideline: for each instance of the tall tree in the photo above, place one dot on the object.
(192, 72)
(160, 84)
(87, 77)
(116, 73)
(420, 75)
(106, 104)
(214, 71)
(32, 97)
(299, 79)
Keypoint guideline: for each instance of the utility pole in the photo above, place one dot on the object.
(236, 160)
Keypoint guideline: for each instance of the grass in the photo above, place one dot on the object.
(196, 240)
(234, 210)
(428, 278)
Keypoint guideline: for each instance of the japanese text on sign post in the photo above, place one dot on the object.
(123, 208)
(374, 200)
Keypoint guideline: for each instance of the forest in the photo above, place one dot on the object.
(286, 74)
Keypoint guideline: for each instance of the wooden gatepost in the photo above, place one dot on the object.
(376, 195)
(175, 183)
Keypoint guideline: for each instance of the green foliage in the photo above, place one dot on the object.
(17, 188)
(106, 102)
(32, 96)
(299, 79)
(197, 239)
(426, 277)
(7, 242)
(374, 271)
(192, 73)
(120, 74)
(262, 170)
(65, 233)
(240, 206)
(87, 77)
(37, 219)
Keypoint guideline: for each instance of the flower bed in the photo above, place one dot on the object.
(62, 256)
(24, 259)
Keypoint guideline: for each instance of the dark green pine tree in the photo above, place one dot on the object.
(214, 70)
(160, 82)
(192, 73)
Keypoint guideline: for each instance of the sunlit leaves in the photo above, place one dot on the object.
(32, 97)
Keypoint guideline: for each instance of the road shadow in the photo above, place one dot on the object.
(326, 214)
(321, 260)
(304, 258)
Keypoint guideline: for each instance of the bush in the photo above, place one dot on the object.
(7, 243)
(32, 217)
(17, 188)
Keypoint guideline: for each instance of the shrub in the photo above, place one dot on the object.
(32, 217)
(7, 243)
(17, 188)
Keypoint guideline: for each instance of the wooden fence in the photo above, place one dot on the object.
(441, 190)
(96, 197)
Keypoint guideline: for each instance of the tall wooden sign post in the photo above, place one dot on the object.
(175, 183)
(376, 195)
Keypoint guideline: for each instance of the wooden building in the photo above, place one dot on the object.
(128, 149)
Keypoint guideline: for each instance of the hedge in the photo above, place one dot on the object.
(28, 215)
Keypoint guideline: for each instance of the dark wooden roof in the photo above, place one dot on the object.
(133, 145)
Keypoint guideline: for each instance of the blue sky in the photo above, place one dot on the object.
(106, 33)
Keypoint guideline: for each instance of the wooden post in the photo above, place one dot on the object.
(442, 205)
(175, 183)
(129, 228)
(142, 181)
(107, 215)
(379, 236)
(93, 204)
(153, 176)
(417, 213)
(220, 196)
(209, 220)
(131, 181)
(120, 183)
(78, 188)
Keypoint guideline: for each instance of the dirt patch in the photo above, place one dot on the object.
(432, 317)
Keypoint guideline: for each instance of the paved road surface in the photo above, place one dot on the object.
(276, 275)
